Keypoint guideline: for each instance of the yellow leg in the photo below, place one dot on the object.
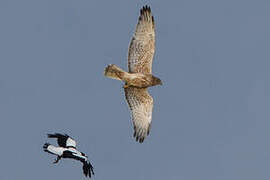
(125, 86)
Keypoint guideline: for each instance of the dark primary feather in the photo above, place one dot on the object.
(88, 169)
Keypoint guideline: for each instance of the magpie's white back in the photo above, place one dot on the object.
(67, 149)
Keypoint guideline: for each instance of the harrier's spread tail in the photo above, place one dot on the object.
(114, 72)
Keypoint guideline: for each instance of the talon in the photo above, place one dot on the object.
(125, 86)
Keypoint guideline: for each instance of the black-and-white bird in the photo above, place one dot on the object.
(67, 149)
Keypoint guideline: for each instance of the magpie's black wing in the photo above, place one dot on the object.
(88, 169)
(61, 138)
(87, 166)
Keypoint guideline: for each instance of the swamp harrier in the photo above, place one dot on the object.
(139, 76)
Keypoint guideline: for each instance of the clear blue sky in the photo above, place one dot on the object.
(211, 117)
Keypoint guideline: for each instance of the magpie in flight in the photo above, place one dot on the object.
(67, 149)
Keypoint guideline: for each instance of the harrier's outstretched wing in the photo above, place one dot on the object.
(142, 44)
(141, 105)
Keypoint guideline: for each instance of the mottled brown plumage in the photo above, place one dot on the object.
(139, 76)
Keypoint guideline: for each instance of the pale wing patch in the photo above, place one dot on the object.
(142, 44)
(55, 150)
(141, 105)
(71, 142)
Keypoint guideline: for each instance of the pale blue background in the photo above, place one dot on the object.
(211, 118)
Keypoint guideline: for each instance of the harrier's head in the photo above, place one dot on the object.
(156, 81)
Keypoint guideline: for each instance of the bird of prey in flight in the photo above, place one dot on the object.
(139, 76)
